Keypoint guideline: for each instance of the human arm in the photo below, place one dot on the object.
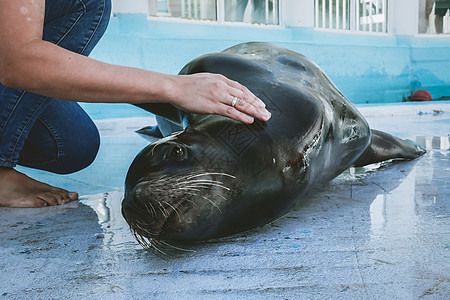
(29, 63)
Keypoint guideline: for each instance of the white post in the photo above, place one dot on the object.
(220, 11)
(196, 10)
(330, 14)
(446, 23)
(354, 15)
(183, 8)
(316, 9)
(324, 23)
(202, 9)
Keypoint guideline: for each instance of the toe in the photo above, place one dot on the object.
(73, 196)
(50, 199)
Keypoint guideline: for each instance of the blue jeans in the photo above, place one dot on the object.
(51, 134)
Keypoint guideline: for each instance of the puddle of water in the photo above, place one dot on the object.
(108, 208)
(421, 198)
(394, 212)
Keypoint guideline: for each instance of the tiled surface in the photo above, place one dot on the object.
(373, 233)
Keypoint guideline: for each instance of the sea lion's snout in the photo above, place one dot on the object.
(154, 209)
(177, 209)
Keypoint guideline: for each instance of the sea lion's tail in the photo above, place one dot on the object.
(384, 146)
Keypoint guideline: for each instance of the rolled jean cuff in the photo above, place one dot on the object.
(7, 164)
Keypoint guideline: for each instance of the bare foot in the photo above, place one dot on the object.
(19, 190)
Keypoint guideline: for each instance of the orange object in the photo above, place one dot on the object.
(422, 95)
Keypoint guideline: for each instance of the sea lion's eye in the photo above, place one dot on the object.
(176, 152)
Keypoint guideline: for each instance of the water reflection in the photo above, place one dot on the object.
(434, 142)
(419, 198)
(116, 233)
(395, 211)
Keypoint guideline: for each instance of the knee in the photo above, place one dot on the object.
(81, 153)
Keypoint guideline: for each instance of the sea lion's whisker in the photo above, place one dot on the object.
(136, 225)
(143, 223)
(205, 181)
(221, 196)
(213, 203)
(162, 178)
(188, 192)
(146, 227)
(208, 174)
(188, 188)
(206, 185)
(163, 210)
(174, 209)
(191, 201)
(151, 210)
(175, 247)
(153, 244)
(147, 243)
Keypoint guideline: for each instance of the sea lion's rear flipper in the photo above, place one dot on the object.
(384, 146)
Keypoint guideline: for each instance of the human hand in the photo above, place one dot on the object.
(206, 93)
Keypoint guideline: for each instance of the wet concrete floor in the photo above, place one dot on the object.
(379, 232)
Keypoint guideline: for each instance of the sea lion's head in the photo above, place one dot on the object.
(178, 190)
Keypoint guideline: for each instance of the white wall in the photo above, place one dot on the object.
(404, 17)
(298, 13)
(130, 6)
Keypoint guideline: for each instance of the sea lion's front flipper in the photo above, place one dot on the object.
(384, 146)
(150, 133)
(164, 110)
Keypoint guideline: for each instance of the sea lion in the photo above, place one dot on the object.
(218, 176)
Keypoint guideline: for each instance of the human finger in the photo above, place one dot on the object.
(246, 94)
(233, 113)
(249, 107)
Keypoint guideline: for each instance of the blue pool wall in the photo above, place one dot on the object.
(367, 68)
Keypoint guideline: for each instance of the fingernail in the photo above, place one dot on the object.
(266, 115)
(249, 119)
